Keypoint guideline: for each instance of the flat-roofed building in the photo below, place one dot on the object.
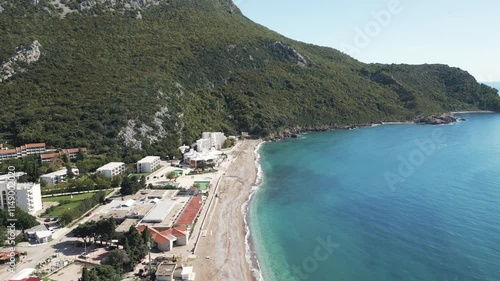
(125, 225)
(165, 272)
(148, 164)
(159, 212)
(58, 176)
(28, 195)
(112, 169)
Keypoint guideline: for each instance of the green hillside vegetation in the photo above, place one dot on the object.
(196, 66)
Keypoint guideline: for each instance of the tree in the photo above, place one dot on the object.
(172, 175)
(146, 236)
(106, 273)
(136, 242)
(69, 171)
(24, 220)
(93, 275)
(85, 274)
(228, 143)
(80, 155)
(142, 182)
(106, 229)
(3, 234)
(67, 217)
(116, 181)
(65, 158)
(130, 185)
(118, 257)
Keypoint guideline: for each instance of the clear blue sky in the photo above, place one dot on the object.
(459, 33)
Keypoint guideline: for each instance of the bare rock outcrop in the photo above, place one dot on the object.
(24, 56)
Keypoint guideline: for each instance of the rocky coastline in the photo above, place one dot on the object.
(296, 131)
(442, 119)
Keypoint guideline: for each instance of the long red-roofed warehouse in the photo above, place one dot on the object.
(190, 213)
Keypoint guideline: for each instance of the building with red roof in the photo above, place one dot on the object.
(167, 239)
(190, 212)
(71, 152)
(22, 151)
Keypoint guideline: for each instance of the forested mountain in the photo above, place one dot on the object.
(153, 74)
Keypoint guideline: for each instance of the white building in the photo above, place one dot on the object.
(58, 176)
(148, 164)
(38, 234)
(165, 272)
(112, 169)
(209, 140)
(28, 195)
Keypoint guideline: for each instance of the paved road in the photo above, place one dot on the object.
(60, 244)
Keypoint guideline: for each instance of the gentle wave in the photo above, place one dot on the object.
(250, 255)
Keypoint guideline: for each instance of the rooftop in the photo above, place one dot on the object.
(126, 224)
(74, 150)
(62, 172)
(179, 231)
(26, 185)
(35, 145)
(149, 159)
(49, 155)
(111, 166)
(191, 211)
(140, 209)
(157, 236)
(40, 227)
(160, 211)
(157, 193)
(7, 176)
(165, 269)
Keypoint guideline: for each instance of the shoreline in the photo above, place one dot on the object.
(472, 111)
(296, 131)
(222, 249)
(250, 248)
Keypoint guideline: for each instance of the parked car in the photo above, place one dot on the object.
(84, 255)
(89, 214)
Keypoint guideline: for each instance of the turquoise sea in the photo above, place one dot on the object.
(387, 203)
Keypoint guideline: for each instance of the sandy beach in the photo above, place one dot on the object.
(221, 251)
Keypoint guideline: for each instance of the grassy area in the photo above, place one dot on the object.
(203, 185)
(76, 197)
(71, 202)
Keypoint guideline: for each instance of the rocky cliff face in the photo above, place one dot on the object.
(25, 56)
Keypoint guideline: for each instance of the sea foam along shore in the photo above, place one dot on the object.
(250, 253)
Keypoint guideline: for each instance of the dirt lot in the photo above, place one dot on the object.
(70, 273)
